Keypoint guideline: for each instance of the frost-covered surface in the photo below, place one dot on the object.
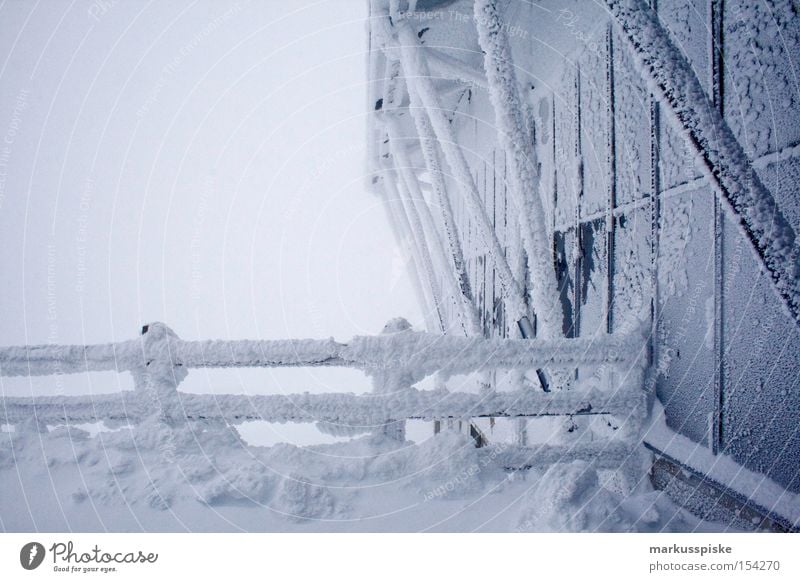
(632, 288)
(762, 42)
(637, 128)
(204, 478)
(725, 162)
(632, 128)
(725, 471)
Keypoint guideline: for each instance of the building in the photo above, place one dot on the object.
(570, 145)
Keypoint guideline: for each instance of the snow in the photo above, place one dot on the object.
(203, 477)
(569, 498)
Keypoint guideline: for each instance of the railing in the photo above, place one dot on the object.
(159, 361)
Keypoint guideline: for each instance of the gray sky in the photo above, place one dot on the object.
(197, 163)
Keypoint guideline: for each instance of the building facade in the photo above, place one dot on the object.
(636, 232)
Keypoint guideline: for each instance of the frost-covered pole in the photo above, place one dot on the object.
(394, 187)
(430, 153)
(524, 179)
(425, 353)
(418, 76)
(415, 197)
(156, 380)
(423, 250)
(393, 381)
(748, 202)
(341, 408)
(398, 212)
(44, 360)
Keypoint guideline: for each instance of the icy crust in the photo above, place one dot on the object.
(340, 408)
(762, 42)
(724, 162)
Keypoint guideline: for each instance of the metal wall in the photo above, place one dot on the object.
(727, 356)
(639, 235)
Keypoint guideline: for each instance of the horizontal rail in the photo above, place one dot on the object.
(605, 454)
(44, 360)
(424, 353)
(341, 408)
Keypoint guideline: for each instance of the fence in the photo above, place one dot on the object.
(159, 361)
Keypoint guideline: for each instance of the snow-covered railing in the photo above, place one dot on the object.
(424, 352)
(346, 409)
(159, 360)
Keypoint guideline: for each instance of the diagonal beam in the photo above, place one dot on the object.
(418, 78)
(415, 197)
(725, 164)
(521, 160)
(433, 164)
(403, 208)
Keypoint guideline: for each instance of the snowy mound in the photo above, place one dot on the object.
(159, 477)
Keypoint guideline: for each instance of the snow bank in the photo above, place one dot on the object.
(569, 498)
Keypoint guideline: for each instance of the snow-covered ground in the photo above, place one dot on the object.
(206, 478)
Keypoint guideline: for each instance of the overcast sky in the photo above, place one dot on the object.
(197, 163)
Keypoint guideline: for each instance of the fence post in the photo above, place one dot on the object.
(635, 468)
(156, 380)
(390, 377)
